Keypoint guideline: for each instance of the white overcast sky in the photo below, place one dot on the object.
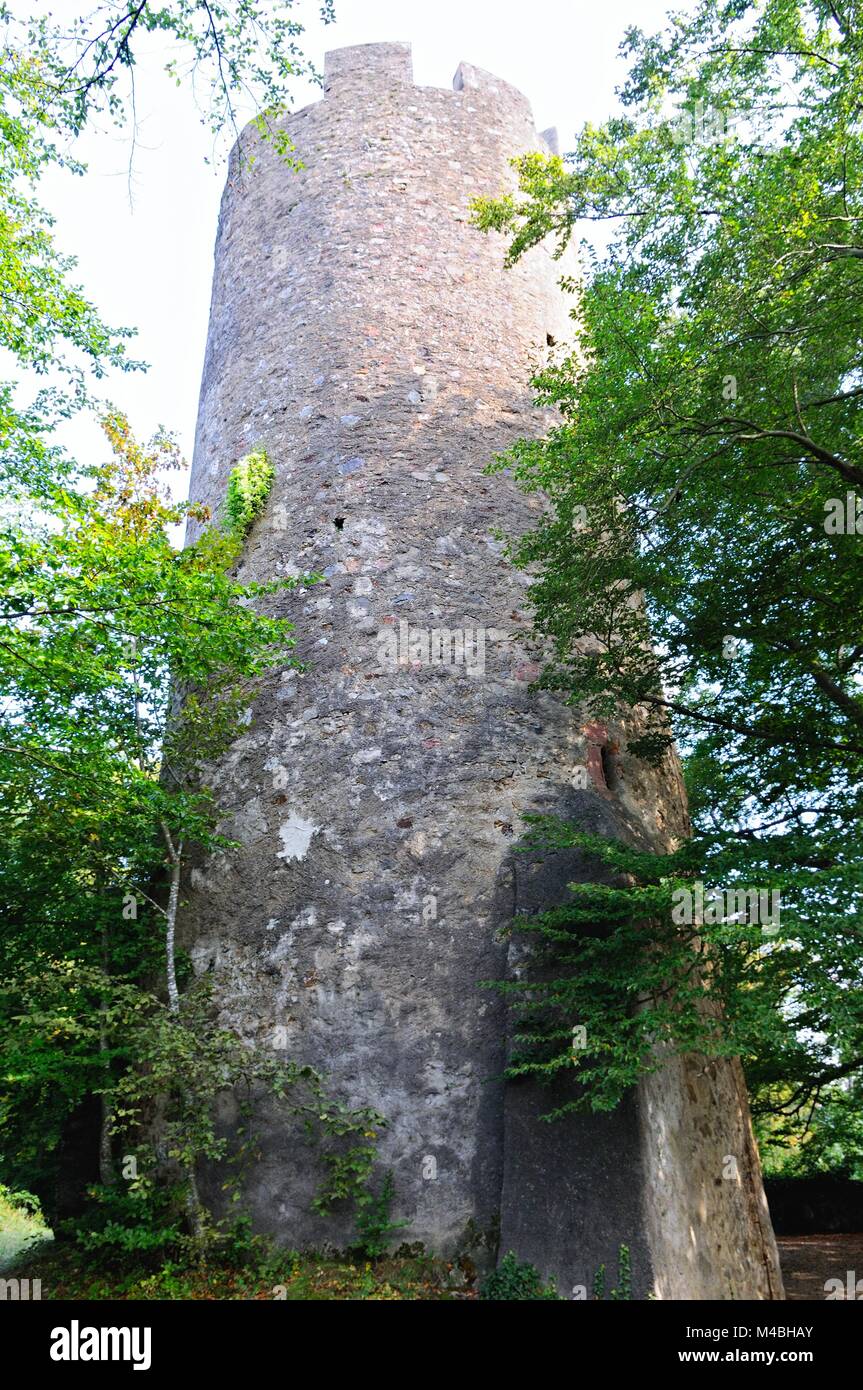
(146, 260)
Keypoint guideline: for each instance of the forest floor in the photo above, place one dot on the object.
(65, 1274)
(808, 1262)
(28, 1250)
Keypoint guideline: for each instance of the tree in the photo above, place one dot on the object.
(56, 79)
(699, 560)
(103, 621)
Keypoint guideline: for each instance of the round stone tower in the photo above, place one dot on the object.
(367, 336)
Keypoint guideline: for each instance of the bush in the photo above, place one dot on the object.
(119, 1222)
(249, 486)
(374, 1225)
(512, 1281)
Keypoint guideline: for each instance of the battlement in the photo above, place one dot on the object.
(370, 64)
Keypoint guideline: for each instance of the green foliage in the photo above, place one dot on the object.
(19, 1200)
(622, 1292)
(375, 1228)
(222, 49)
(55, 77)
(513, 1281)
(121, 1221)
(252, 1269)
(162, 1073)
(613, 961)
(249, 485)
(809, 1137)
(48, 328)
(184, 1063)
(22, 1226)
(347, 1174)
(686, 568)
(349, 1178)
(103, 620)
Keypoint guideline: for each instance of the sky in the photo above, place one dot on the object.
(142, 221)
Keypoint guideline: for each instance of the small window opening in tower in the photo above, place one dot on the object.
(339, 522)
(609, 771)
(551, 340)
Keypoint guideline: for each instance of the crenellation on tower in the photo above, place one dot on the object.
(472, 80)
(370, 64)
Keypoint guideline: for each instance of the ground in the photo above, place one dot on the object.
(809, 1261)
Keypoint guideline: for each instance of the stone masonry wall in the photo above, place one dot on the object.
(368, 337)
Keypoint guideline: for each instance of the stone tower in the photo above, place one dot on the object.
(367, 336)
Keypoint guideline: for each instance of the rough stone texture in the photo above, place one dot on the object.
(708, 1224)
(369, 338)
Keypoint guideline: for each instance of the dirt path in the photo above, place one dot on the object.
(808, 1262)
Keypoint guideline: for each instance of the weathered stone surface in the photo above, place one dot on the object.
(368, 337)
